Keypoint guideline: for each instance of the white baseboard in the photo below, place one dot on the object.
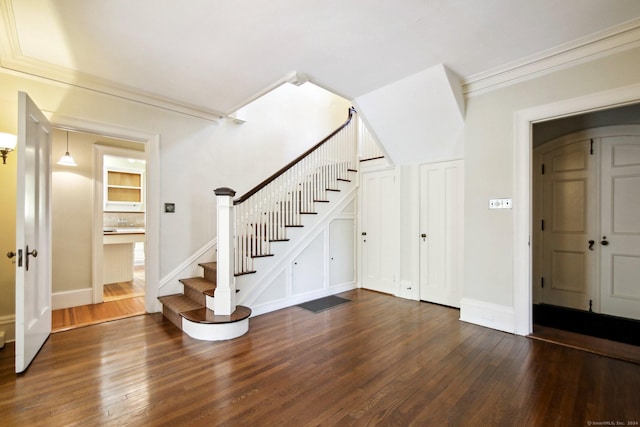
(8, 326)
(487, 314)
(73, 298)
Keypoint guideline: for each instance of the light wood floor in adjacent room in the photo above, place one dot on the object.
(121, 300)
(378, 360)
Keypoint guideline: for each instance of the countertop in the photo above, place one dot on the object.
(110, 231)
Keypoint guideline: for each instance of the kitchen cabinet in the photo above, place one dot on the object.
(124, 191)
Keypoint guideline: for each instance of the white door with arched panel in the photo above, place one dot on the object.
(568, 227)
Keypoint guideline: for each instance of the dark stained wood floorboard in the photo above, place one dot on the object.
(618, 350)
(378, 360)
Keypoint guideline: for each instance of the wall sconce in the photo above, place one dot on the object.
(67, 160)
(7, 144)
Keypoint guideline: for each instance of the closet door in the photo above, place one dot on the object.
(380, 231)
(441, 232)
(619, 238)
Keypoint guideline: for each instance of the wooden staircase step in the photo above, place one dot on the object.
(245, 272)
(173, 305)
(210, 270)
(204, 315)
(197, 287)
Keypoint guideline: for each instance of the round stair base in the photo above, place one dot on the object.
(215, 331)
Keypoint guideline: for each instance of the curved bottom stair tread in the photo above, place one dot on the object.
(177, 306)
(204, 315)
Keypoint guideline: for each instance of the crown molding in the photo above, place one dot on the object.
(11, 59)
(597, 45)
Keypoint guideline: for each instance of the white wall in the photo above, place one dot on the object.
(490, 173)
(279, 127)
(419, 118)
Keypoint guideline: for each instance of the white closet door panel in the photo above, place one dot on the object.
(441, 228)
(380, 231)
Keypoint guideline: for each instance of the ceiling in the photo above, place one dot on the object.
(214, 56)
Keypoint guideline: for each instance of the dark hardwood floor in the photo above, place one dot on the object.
(618, 350)
(378, 360)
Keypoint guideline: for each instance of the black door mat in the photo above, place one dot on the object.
(583, 322)
(322, 304)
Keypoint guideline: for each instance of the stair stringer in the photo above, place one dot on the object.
(252, 286)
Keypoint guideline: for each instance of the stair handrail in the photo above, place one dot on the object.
(295, 161)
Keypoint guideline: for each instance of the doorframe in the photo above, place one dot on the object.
(99, 151)
(151, 143)
(523, 183)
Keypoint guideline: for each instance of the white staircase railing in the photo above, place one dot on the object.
(262, 215)
(369, 149)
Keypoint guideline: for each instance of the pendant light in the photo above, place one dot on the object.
(67, 160)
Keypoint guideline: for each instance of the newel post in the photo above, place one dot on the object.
(224, 300)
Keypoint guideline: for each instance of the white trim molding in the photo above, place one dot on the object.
(74, 298)
(8, 326)
(487, 314)
(603, 43)
(11, 58)
(522, 193)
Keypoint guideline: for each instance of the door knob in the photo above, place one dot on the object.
(604, 241)
(33, 253)
(424, 236)
(12, 254)
(591, 243)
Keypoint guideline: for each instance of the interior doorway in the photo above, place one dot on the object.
(79, 219)
(585, 240)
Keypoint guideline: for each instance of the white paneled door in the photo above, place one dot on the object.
(587, 212)
(33, 233)
(619, 238)
(380, 231)
(568, 225)
(441, 232)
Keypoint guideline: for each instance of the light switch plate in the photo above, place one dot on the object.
(500, 204)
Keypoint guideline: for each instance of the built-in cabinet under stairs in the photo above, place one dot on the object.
(192, 311)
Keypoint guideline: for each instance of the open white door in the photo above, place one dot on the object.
(33, 232)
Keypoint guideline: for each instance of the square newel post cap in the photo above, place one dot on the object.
(224, 191)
